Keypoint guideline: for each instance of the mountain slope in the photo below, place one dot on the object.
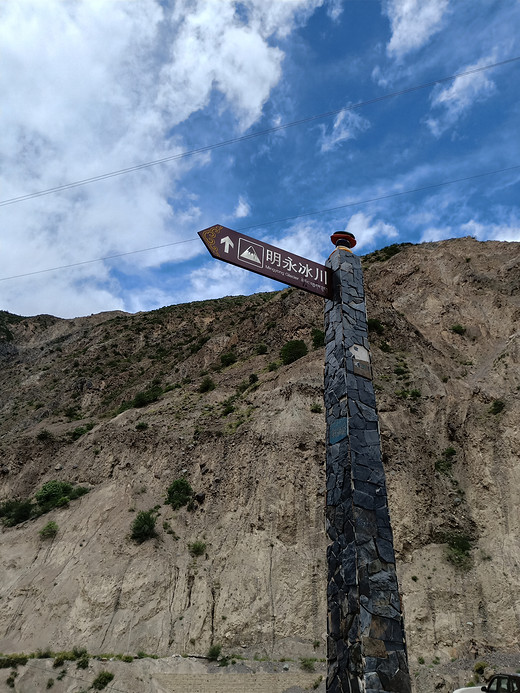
(445, 348)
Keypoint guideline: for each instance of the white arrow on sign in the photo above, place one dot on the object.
(227, 242)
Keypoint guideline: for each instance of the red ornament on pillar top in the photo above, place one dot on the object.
(343, 239)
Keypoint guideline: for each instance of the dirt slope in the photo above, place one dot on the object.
(445, 345)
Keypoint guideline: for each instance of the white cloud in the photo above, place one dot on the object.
(89, 87)
(347, 125)
(456, 99)
(242, 209)
(434, 233)
(307, 239)
(493, 232)
(367, 231)
(413, 23)
(218, 279)
(335, 9)
(483, 232)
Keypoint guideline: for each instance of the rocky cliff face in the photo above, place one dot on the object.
(445, 346)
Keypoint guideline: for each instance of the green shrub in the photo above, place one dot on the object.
(292, 351)
(214, 653)
(261, 349)
(82, 662)
(479, 668)
(228, 358)
(56, 494)
(385, 346)
(307, 664)
(458, 329)
(45, 436)
(375, 325)
(253, 378)
(179, 493)
(207, 385)
(228, 409)
(496, 406)
(273, 366)
(318, 338)
(12, 512)
(316, 408)
(80, 431)
(197, 548)
(458, 549)
(142, 399)
(102, 680)
(50, 683)
(13, 660)
(143, 527)
(51, 492)
(49, 531)
(384, 254)
(141, 426)
(415, 394)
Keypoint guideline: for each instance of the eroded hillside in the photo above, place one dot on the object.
(125, 404)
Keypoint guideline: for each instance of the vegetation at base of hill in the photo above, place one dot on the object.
(102, 680)
(292, 351)
(179, 493)
(307, 663)
(53, 494)
(143, 527)
(13, 660)
(214, 652)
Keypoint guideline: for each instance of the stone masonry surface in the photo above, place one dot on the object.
(366, 644)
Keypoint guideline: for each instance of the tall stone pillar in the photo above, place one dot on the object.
(366, 647)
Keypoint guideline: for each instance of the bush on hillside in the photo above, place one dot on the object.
(143, 527)
(292, 351)
(179, 493)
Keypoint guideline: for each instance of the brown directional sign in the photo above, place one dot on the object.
(267, 260)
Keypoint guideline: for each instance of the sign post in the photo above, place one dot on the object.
(366, 647)
(267, 260)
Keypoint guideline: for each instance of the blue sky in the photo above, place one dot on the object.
(90, 87)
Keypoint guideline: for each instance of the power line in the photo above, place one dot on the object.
(250, 136)
(274, 221)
